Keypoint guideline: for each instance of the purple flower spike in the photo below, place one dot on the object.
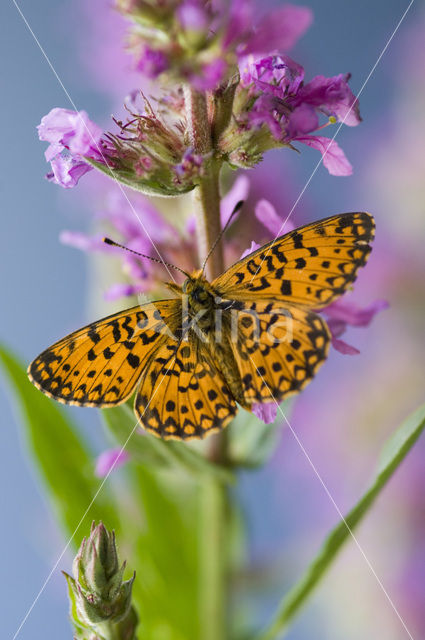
(109, 461)
(266, 412)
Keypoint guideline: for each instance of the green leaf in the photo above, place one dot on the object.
(63, 459)
(148, 187)
(391, 457)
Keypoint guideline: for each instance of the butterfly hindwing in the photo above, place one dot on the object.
(182, 394)
(311, 266)
(100, 364)
(277, 348)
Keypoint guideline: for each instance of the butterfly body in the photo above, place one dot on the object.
(253, 335)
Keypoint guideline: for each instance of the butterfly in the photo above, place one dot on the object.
(252, 335)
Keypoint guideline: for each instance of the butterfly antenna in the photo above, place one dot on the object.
(238, 206)
(112, 243)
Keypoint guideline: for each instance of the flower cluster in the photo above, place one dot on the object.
(147, 153)
(274, 107)
(202, 42)
(255, 103)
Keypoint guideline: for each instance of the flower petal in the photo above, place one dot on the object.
(266, 412)
(269, 218)
(279, 29)
(354, 315)
(110, 460)
(344, 348)
(334, 159)
(254, 246)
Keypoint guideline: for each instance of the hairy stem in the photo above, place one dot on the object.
(207, 193)
(213, 517)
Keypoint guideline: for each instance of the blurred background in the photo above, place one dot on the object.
(343, 416)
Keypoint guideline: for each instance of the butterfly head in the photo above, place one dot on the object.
(199, 292)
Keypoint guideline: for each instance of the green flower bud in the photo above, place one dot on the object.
(99, 597)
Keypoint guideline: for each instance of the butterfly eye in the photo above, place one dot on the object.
(199, 294)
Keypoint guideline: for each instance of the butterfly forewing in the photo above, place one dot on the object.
(311, 266)
(100, 364)
(182, 393)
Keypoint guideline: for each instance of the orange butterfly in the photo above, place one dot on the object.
(250, 336)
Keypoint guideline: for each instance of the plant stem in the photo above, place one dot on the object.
(207, 194)
(213, 492)
(213, 559)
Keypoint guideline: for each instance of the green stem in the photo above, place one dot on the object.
(213, 492)
(207, 193)
(213, 559)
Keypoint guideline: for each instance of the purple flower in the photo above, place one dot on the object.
(254, 246)
(334, 159)
(209, 75)
(72, 136)
(341, 314)
(333, 96)
(278, 98)
(109, 461)
(213, 38)
(266, 412)
(152, 62)
(66, 170)
(192, 16)
(269, 218)
(279, 30)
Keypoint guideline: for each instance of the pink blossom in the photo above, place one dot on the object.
(72, 137)
(341, 314)
(266, 411)
(254, 246)
(72, 130)
(109, 461)
(290, 108)
(334, 159)
(152, 62)
(279, 29)
(66, 170)
(269, 218)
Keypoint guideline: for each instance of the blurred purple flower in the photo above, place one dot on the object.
(110, 460)
(72, 136)
(269, 218)
(341, 314)
(152, 62)
(214, 37)
(266, 412)
(254, 246)
(279, 30)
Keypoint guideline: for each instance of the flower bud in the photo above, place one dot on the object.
(97, 592)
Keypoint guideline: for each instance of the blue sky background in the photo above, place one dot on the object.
(44, 284)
